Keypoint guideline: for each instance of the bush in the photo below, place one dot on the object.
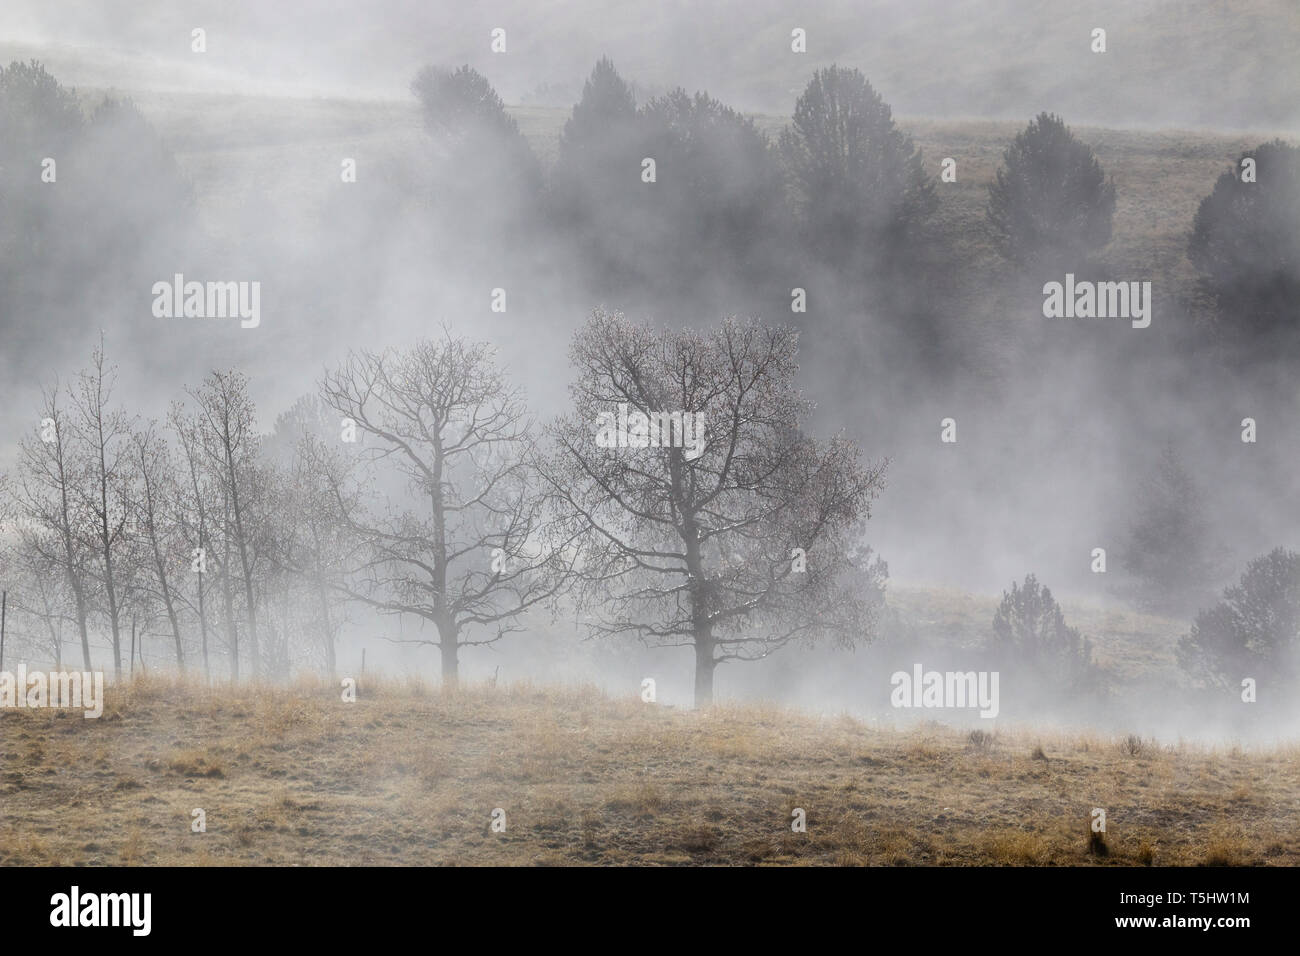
(857, 179)
(1051, 200)
(1167, 555)
(1030, 634)
(1254, 631)
(489, 183)
(596, 186)
(716, 206)
(1245, 242)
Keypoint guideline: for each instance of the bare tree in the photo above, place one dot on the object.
(309, 547)
(38, 594)
(228, 437)
(314, 545)
(465, 548)
(104, 435)
(713, 521)
(192, 516)
(157, 525)
(48, 502)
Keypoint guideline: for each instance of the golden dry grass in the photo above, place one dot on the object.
(412, 775)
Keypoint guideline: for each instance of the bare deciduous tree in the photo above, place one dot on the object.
(157, 524)
(735, 549)
(191, 511)
(465, 549)
(228, 437)
(47, 502)
(104, 434)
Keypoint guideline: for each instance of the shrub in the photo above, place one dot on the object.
(1253, 631)
(1051, 200)
(856, 178)
(1030, 632)
(1245, 243)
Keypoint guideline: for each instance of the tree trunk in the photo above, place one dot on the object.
(80, 600)
(250, 608)
(111, 590)
(159, 563)
(169, 603)
(704, 665)
(450, 662)
(327, 628)
(55, 638)
(203, 631)
(74, 582)
(231, 630)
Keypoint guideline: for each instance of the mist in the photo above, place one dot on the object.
(487, 233)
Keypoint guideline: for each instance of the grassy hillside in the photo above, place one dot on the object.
(408, 775)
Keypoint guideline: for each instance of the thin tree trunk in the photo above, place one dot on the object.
(203, 544)
(55, 638)
(250, 609)
(74, 582)
(704, 665)
(159, 563)
(327, 629)
(80, 599)
(203, 630)
(107, 541)
(232, 631)
(448, 644)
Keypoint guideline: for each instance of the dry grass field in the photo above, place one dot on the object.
(411, 775)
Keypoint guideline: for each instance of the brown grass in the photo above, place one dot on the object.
(410, 775)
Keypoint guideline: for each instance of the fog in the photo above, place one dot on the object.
(1058, 422)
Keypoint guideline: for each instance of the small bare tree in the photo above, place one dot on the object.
(313, 547)
(158, 539)
(191, 510)
(227, 435)
(104, 435)
(48, 503)
(741, 537)
(39, 595)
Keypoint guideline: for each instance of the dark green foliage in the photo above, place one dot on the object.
(1168, 553)
(1051, 202)
(488, 183)
(856, 179)
(1245, 242)
(1253, 632)
(597, 195)
(1031, 638)
(717, 198)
